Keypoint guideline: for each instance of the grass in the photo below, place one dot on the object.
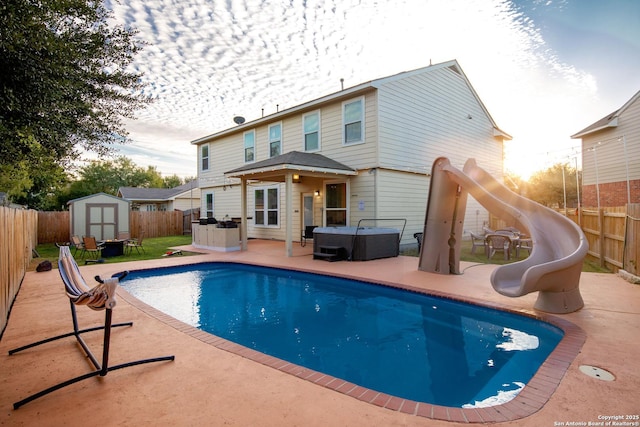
(154, 248)
(480, 258)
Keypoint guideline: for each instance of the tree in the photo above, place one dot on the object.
(547, 187)
(108, 176)
(65, 84)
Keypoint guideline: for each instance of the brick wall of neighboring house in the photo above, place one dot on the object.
(611, 194)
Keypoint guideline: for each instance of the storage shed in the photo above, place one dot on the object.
(100, 215)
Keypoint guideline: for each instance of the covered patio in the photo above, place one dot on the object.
(290, 167)
(210, 384)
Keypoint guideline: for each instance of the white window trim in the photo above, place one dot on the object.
(213, 205)
(266, 210)
(304, 147)
(208, 157)
(348, 197)
(269, 137)
(344, 123)
(255, 152)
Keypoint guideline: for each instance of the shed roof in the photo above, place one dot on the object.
(90, 196)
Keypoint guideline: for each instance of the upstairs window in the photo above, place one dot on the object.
(353, 121)
(311, 131)
(249, 146)
(204, 156)
(275, 140)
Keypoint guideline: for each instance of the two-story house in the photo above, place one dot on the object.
(610, 153)
(364, 152)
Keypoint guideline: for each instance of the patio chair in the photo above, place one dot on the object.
(478, 241)
(524, 243)
(76, 242)
(91, 247)
(498, 243)
(135, 244)
(307, 233)
(100, 297)
(124, 235)
(418, 237)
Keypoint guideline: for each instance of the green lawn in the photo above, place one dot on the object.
(480, 258)
(156, 247)
(153, 248)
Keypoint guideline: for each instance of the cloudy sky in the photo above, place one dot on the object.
(544, 69)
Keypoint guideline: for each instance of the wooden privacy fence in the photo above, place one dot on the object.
(155, 224)
(613, 234)
(54, 226)
(18, 238)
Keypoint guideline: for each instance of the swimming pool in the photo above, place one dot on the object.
(406, 344)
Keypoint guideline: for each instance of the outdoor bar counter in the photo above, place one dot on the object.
(212, 237)
(356, 243)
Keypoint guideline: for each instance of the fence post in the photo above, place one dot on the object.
(601, 249)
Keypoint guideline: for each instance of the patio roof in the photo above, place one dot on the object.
(276, 168)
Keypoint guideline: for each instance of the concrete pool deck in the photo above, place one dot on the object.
(208, 386)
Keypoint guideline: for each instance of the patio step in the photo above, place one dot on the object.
(330, 253)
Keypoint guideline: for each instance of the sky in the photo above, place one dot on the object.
(544, 69)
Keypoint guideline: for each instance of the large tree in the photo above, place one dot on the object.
(65, 85)
(109, 176)
(548, 187)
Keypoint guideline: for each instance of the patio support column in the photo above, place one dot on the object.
(243, 213)
(289, 213)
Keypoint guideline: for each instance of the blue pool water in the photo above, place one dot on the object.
(402, 343)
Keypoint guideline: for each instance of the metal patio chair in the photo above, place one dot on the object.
(307, 233)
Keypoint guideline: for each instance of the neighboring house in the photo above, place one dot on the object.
(611, 158)
(362, 153)
(181, 198)
(100, 215)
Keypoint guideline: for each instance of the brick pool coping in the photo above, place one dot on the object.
(528, 401)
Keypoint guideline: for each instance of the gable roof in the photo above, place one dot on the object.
(307, 163)
(349, 93)
(155, 194)
(95, 195)
(609, 121)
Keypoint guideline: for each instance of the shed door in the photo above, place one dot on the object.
(102, 220)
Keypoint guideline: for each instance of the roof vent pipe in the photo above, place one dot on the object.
(341, 83)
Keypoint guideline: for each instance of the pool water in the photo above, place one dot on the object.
(407, 344)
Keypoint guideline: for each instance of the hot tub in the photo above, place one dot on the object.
(355, 243)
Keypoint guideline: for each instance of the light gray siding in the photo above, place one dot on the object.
(607, 149)
(434, 114)
(409, 121)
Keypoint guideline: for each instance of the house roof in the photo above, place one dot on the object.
(608, 121)
(349, 93)
(155, 194)
(305, 163)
